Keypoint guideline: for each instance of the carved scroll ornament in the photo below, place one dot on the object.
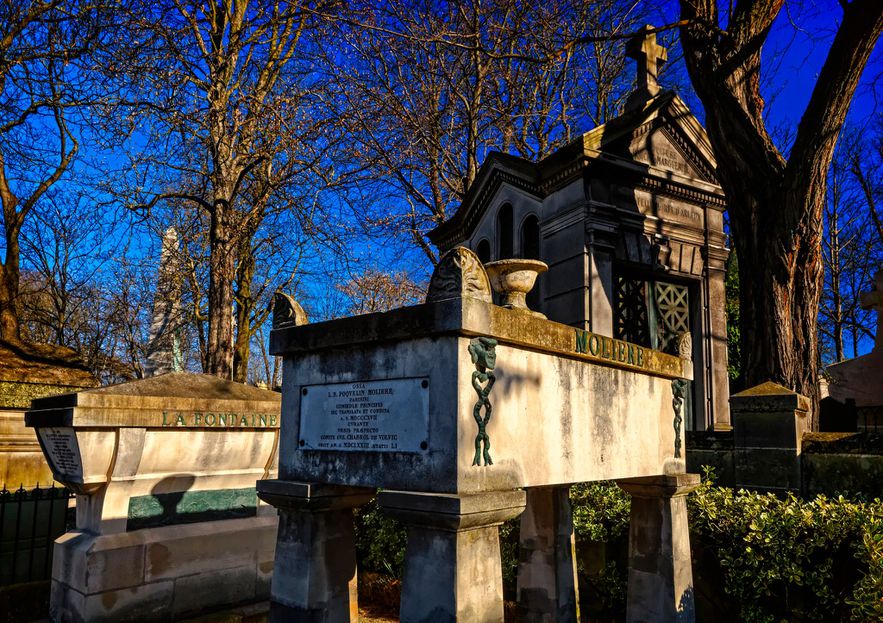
(459, 273)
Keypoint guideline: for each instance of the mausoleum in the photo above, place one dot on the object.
(629, 218)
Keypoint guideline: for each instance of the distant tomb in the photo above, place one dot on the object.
(629, 218)
(855, 386)
(168, 523)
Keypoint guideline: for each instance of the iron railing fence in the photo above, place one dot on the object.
(30, 521)
(870, 418)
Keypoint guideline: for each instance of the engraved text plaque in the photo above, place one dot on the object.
(368, 416)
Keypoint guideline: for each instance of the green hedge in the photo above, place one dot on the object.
(757, 558)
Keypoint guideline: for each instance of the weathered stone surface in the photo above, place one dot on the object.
(452, 511)
(21, 460)
(466, 317)
(660, 572)
(176, 449)
(768, 426)
(547, 580)
(452, 562)
(713, 449)
(768, 397)
(159, 574)
(539, 370)
(287, 312)
(315, 574)
(831, 473)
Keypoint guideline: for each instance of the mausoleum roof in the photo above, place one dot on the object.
(606, 146)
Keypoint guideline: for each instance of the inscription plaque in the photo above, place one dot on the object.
(62, 450)
(368, 416)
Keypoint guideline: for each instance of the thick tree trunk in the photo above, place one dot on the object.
(10, 274)
(779, 293)
(244, 310)
(775, 206)
(222, 261)
(9, 325)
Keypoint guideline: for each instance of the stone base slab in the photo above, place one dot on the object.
(161, 574)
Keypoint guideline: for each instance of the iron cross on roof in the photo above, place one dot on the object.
(650, 56)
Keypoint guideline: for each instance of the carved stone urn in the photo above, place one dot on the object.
(513, 279)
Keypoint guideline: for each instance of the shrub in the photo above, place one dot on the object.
(380, 541)
(756, 557)
(779, 558)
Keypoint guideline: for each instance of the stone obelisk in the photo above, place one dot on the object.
(164, 348)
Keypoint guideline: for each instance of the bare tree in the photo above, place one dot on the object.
(851, 246)
(775, 203)
(865, 162)
(40, 44)
(230, 102)
(428, 89)
(377, 291)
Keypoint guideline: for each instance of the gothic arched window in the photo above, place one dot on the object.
(505, 247)
(530, 238)
(530, 249)
(483, 251)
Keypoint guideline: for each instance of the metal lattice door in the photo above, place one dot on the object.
(673, 312)
(630, 311)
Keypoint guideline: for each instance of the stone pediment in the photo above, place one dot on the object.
(497, 169)
(664, 134)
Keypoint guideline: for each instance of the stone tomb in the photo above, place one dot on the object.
(168, 523)
(463, 413)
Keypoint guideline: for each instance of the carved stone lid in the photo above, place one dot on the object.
(470, 317)
(768, 397)
(121, 404)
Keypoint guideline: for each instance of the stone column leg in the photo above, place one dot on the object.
(660, 573)
(547, 584)
(314, 575)
(452, 562)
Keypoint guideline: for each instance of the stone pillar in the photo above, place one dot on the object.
(601, 246)
(452, 562)
(715, 333)
(314, 578)
(547, 584)
(660, 588)
(768, 425)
